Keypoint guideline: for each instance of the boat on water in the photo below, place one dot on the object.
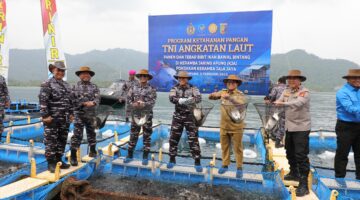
(110, 96)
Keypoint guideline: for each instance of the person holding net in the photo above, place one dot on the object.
(86, 100)
(276, 91)
(232, 122)
(296, 99)
(141, 98)
(184, 96)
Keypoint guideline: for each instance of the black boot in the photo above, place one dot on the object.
(51, 166)
(239, 172)
(293, 175)
(303, 189)
(73, 158)
(145, 155)
(64, 165)
(198, 166)
(278, 143)
(172, 162)
(129, 157)
(93, 152)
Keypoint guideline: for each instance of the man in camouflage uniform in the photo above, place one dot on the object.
(56, 107)
(296, 99)
(141, 98)
(126, 87)
(184, 96)
(86, 99)
(231, 131)
(274, 95)
(4, 102)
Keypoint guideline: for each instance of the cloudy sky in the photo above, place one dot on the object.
(327, 28)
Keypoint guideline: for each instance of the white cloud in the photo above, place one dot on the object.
(328, 28)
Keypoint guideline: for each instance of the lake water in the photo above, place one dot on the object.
(322, 108)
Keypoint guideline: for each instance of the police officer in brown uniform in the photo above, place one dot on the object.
(230, 131)
(296, 99)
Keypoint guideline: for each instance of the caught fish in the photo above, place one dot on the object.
(236, 115)
(272, 121)
(140, 121)
(198, 114)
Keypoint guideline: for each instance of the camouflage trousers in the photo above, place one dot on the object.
(279, 132)
(55, 136)
(79, 124)
(134, 135)
(178, 123)
(2, 116)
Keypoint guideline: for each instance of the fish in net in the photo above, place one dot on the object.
(201, 111)
(270, 116)
(236, 107)
(73, 189)
(102, 114)
(140, 115)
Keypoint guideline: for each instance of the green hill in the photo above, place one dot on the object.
(322, 74)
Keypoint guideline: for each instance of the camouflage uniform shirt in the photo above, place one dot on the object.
(56, 99)
(186, 91)
(146, 93)
(83, 92)
(276, 92)
(4, 94)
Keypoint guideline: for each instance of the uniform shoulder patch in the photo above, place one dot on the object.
(302, 94)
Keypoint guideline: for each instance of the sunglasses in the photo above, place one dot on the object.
(142, 75)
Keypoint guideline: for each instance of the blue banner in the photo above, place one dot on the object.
(211, 47)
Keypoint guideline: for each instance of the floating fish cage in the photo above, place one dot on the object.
(257, 175)
(22, 106)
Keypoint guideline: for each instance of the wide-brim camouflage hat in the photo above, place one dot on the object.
(294, 73)
(352, 73)
(57, 64)
(85, 69)
(233, 77)
(144, 72)
(183, 74)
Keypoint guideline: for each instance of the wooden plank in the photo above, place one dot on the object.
(21, 186)
(279, 157)
(232, 174)
(15, 147)
(36, 125)
(291, 183)
(87, 158)
(333, 184)
(134, 163)
(63, 172)
(183, 169)
(124, 140)
(310, 196)
(113, 149)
